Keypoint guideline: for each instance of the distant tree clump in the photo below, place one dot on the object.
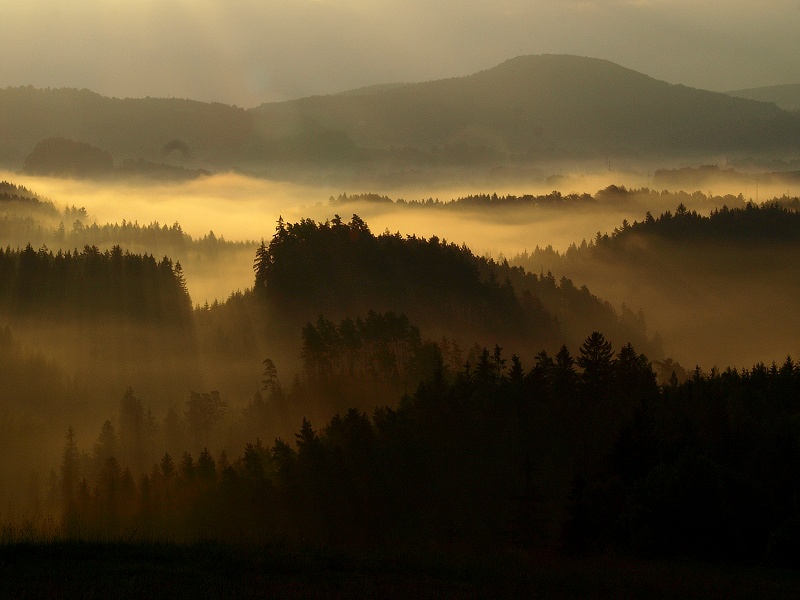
(60, 156)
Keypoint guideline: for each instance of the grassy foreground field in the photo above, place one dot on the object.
(212, 570)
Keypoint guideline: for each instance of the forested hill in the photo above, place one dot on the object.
(772, 224)
(10, 192)
(544, 104)
(341, 269)
(18, 203)
(583, 450)
(133, 128)
(732, 265)
(525, 108)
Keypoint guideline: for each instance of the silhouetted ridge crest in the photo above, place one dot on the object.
(709, 266)
(525, 108)
(544, 104)
(341, 269)
(785, 96)
(767, 224)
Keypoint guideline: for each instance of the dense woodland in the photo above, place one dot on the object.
(708, 266)
(585, 451)
(91, 285)
(338, 411)
(214, 264)
(773, 223)
(341, 269)
(375, 391)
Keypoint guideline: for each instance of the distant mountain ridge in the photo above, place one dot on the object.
(543, 103)
(529, 107)
(786, 96)
(127, 128)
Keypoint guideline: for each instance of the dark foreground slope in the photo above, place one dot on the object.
(587, 454)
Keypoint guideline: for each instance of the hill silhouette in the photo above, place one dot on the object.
(129, 128)
(340, 270)
(67, 158)
(786, 96)
(58, 156)
(694, 275)
(525, 108)
(544, 104)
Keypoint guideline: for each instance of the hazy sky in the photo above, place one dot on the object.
(248, 51)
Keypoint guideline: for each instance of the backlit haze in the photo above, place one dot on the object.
(241, 208)
(247, 52)
(618, 186)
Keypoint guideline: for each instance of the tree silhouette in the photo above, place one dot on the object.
(70, 474)
(596, 358)
(270, 375)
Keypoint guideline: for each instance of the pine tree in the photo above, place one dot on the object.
(596, 358)
(70, 473)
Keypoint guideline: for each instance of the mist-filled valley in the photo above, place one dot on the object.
(321, 317)
(416, 319)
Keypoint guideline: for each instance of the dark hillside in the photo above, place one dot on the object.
(88, 285)
(111, 317)
(694, 275)
(342, 269)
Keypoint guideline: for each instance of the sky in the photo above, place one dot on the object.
(245, 52)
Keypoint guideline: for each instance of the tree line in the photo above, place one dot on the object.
(771, 223)
(338, 268)
(471, 434)
(612, 196)
(28, 220)
(87, 284)
(583, 451)
(381, 345)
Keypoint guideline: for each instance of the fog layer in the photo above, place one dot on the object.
(239, 208)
